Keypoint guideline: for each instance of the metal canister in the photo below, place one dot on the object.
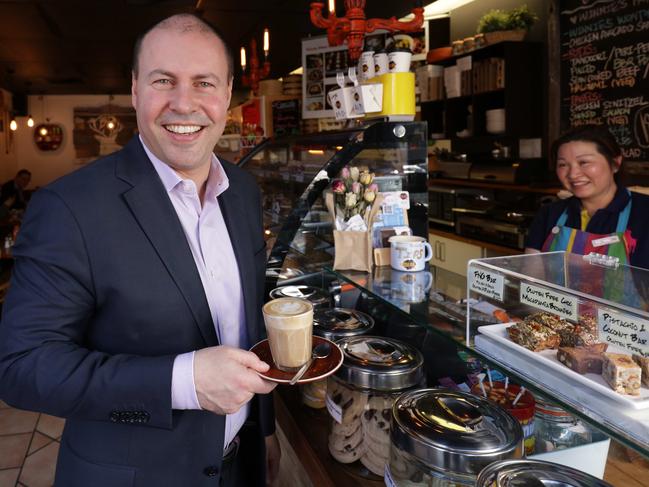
(445, 438)
(318, 297)
(336, 323)
(333, 324)
(518, 473)
(375, 372)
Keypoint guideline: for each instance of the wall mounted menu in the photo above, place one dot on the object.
(605, 69)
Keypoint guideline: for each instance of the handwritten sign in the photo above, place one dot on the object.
(625, 331)
(605, 69)
(549, 300)
(488, 283)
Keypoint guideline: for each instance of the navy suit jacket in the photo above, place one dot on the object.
(104, 294)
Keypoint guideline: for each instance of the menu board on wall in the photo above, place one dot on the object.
(605, 69)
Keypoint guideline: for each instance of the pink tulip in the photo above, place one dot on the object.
(345, 174)
(338, 186)
(374, 188)
(356, 187)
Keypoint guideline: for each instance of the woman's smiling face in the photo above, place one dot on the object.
(586, 173)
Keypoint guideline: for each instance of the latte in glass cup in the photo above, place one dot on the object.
(289, 326)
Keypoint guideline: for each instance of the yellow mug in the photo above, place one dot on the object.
(398, 94)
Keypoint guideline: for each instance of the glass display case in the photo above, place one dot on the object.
(293, 172)
(436, 310)
(571, 326)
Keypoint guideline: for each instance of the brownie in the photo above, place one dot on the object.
(582, 360)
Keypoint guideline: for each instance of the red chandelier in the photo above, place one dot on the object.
(255, 72)
(353, 26)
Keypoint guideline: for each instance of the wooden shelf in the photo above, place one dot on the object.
(470, 183)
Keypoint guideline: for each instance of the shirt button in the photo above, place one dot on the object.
(211, 471)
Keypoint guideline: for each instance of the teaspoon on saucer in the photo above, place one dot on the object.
(321, 350)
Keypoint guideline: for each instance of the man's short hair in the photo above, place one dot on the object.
(184, 22)
(24, 172)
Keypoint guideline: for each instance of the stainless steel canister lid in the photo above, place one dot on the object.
(381, 364)
(454, 433)
(525, 473)
(336, 323)
(318, 297)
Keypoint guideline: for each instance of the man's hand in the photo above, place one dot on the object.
(273, 456)
(226, 378)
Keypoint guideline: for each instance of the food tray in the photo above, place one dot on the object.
(548, 358)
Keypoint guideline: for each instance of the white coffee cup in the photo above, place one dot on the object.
(346, 102)
(409, 253)
(411, 287)
(399, 61)
(380, 63)
(366, 65)
(289, 326)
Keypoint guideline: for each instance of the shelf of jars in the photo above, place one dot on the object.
(436, 300)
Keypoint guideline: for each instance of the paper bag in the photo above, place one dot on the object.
(353, 250)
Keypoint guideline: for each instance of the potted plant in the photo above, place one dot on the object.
(499, 25)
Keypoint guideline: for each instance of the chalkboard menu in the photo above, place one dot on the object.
(605, 69)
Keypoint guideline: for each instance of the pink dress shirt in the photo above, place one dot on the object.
(209, 241)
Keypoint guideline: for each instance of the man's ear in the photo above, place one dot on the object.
(133, 89)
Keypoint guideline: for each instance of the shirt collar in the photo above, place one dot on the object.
(217, 179)
(616, 205)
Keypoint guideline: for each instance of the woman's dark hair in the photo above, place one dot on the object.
(597, 134)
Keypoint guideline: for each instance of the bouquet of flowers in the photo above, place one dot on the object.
(354, 194)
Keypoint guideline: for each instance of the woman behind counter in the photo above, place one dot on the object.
(602, 215)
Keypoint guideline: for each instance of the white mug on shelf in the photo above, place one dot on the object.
(409, 253)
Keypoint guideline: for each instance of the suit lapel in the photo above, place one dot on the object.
(155, 214)
(236, 221)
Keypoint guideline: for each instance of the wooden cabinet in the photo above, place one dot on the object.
(451, 254)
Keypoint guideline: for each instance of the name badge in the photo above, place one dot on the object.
(611, 239)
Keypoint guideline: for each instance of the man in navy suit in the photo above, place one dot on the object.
(137, 289)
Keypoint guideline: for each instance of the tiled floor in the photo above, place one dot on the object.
(29, 444)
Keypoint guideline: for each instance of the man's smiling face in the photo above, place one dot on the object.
(181, 95)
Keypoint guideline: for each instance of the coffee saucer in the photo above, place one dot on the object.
(319, 369)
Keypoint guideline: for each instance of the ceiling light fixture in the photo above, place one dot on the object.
(443, 7)
(30, 121)
(13, 125)
(353, 26)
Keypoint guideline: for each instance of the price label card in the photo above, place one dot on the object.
(334, 409)
(488, 283)
(548, 300)
(625, 331)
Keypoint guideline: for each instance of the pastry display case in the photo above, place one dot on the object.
(574, 327)
(435, 310)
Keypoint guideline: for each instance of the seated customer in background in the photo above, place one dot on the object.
(602, 216)
(14, 188)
